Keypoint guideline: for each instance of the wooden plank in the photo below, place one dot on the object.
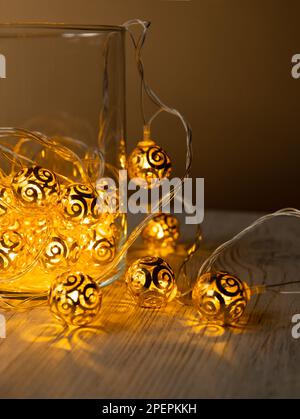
(137, 353)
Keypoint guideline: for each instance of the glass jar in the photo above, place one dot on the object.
(62, 119)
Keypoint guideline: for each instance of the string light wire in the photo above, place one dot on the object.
(207, 265)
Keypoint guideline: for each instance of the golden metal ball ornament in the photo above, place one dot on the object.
(220, 298)
(60, 252)
(36, 185)
(7, 199)
(79, 203)
(11, 221)
(21, 242)
(102, 248)
(161, 232)
(75, 299)
(151, 282)
(148, 162)
(108, 198)
(13, 252)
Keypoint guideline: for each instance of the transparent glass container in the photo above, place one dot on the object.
(63, 88)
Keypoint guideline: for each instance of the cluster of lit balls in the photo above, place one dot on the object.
(75, 298)
(219, 297)
(150, 280)
(60, 227)
(57, 225)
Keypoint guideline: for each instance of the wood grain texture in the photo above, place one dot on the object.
(142, 353)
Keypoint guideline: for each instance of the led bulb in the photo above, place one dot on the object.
(162, 232)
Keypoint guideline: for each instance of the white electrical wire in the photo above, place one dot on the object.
(207, 265)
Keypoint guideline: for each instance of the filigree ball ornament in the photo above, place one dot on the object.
(75, 299)
(36, 185)
(107, 198)
(11, 221)
(220, 298)
(14, 255)
(99, 247)
(151, 282)
(148, 163)
(7, 200)
(161, 232)
(63, 226)
(79, 203)
(102, 247)
(60, 252)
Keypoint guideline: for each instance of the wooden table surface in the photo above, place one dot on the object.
(142, 353)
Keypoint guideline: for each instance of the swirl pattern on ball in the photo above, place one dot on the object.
(151, 282)
(12, 246)
(149, 162)
(6, 199)
(161, 231)
(103, 250)
(220, 297)
(60, 252)
(80, 203)
(101, 247)
(36, 185)
(108, 196)
(75, 298)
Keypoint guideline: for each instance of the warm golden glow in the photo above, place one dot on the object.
(161, 233)
(79, 203)
(6, 199)
(36, 185)
(13, 255)
(51, 225)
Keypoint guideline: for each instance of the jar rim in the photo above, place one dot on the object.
(60, 26)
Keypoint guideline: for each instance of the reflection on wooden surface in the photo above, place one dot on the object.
(135, 352)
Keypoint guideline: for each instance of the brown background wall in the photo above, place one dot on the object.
(226, 65)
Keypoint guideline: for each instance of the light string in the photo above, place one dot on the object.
(219, 296)
(207, 264)
(164, 201)
(145, 88)
(191, 251)
(64, 152)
